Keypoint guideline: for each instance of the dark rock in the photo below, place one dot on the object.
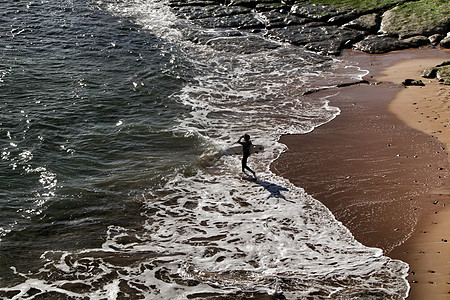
(194, 12)
(276, 19)
(175, 3)
(321, 28)
(412, 82)
(242, 44)
(324, 39)
(344, 18)
(272, 6)
(272, 19)
(380, 44)
(293, 20)
(445, 42)
(429, 73)
(296, 35)
(416, 41)
(125, 240)
(203, 37)
(435, 38)
(242, 21)
(77, 287)
(316, 12)
(369, 23)
(247, 3)
(445, 63)
(201, 12)
(9, 294)
(332, 39)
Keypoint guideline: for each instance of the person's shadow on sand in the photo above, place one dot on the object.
(274, 189)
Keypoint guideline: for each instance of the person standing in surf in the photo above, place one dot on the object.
(246, 145)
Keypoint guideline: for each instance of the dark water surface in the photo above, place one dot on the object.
(85, 125)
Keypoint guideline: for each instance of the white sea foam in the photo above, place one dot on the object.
(155, 16)
(216, 233)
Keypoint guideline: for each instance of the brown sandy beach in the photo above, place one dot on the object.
(382, 167)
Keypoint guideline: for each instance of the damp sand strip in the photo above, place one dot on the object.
(382, 173)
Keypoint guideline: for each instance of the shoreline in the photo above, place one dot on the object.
(426, 109)
(380, 173)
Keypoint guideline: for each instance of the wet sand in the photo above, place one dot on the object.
(382, 173)
(426, 109)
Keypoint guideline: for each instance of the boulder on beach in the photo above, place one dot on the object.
(412, 82)
(446, 42)
(429, 72)
(325, 26)
(443, 75)
(441, 72)
(412, 18)
(380, 44)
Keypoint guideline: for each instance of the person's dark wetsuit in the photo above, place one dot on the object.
(246, 145)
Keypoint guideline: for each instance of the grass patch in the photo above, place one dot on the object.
(423, 17)
(425, 11)
(444, 74)
(357, 4)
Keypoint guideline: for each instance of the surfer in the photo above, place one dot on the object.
(246, 145)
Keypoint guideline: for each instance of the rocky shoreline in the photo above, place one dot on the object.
(323, 26)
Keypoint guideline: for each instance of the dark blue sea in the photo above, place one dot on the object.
(115, 182)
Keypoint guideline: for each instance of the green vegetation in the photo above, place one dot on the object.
(425, 11)
(403, 19)
(444, 75)
(357, 4)
(431, 8)
(422, 17)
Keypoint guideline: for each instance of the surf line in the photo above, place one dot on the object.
(335, 86)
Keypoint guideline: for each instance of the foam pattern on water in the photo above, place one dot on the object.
(216, 234)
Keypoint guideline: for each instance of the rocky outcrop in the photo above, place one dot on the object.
(446, 42)
(368, 23)
(375, 44)
(321, 37)
(413, 82)
(441, 72)
(443, 75)
(424, 17)
(324, 26)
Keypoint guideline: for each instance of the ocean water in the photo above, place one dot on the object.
(114, 179)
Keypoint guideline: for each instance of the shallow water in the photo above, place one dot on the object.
(113, 130)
